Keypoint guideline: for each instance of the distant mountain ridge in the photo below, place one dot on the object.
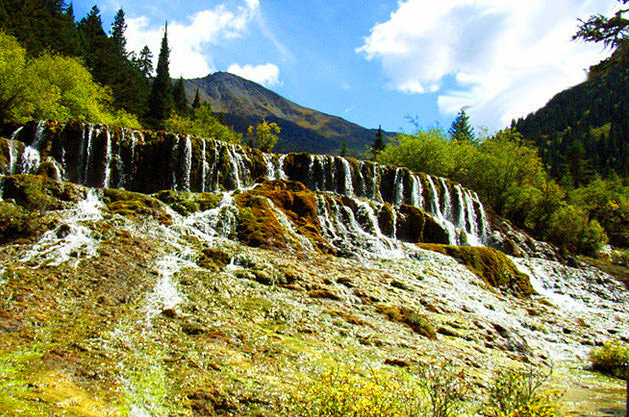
(240, 103)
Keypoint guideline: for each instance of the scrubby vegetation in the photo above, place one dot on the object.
(511, 179)
(612, 359)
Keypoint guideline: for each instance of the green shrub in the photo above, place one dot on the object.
(435, 390)
(612, 359)
(518, 393)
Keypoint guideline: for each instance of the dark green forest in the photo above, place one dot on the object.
(583, 131)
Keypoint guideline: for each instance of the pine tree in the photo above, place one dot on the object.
(378, 143)
(197, 100)
(118, 28)
(344, 149)
(179, 97)
(144, 63)
(461, 131)
(161, 99)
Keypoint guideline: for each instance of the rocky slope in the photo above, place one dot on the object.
(190, 277)
(241, 103)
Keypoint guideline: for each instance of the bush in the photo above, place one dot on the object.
(517, 393)
(612, 359)
(431, 390)
(570, 228)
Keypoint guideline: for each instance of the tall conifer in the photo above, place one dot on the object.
(161, 100)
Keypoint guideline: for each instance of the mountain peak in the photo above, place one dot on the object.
(242, 102)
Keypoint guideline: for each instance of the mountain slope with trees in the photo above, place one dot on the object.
(241, 103)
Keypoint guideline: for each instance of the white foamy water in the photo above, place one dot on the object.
(72, 240)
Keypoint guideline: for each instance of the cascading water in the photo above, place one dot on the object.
(71, 240)
(13, 156)
(204, 166)
(107, 178)
(229, 167)
(398, 187)
(187, 163)
(31, 157)
(447, 203)
(417, 197)
(347, 177)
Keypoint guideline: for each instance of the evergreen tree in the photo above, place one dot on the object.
(110, 66)
(461, 131)
(144, 63)
(161, 99)
(179, 97)
(118, 28)
(344, 149)
(197, 100)
(378, 143)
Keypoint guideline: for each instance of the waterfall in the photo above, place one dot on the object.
(31, 158)
(134, 141)
(173, 164)
(16, 132)
(462, 204)
(471, 213)
(107, 178)
(187, 163)
(271, 171)
(347, 177)
(13, 156)
(229, 167)
(398, 187)
(447, 203)
(417, 198)
(435, 206)
(280, 174)
(204, 166)
(120, 163)
(86, 153)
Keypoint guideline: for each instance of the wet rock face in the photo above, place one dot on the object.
(490, 265)
(147, 162)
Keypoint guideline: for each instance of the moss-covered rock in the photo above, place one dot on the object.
(417, 322)
(186, 203)
(18, 223)
(415, 225)
(128, 203)
(35, 192)
(490, 265)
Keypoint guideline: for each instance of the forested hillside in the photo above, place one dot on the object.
(584, 131)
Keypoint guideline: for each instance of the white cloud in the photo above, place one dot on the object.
(508, 57)
(188, 40)
(267, 74)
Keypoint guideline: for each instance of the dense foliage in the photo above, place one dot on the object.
(510, 178)
(612, 358)
(52, 87)
(53, 67)
(201, 122)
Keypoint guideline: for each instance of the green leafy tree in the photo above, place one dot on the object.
(52, 87)
(161, 99)
(263, 135)
(12, 83)
(461, 130)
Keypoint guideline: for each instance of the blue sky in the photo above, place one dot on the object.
(375, 62)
